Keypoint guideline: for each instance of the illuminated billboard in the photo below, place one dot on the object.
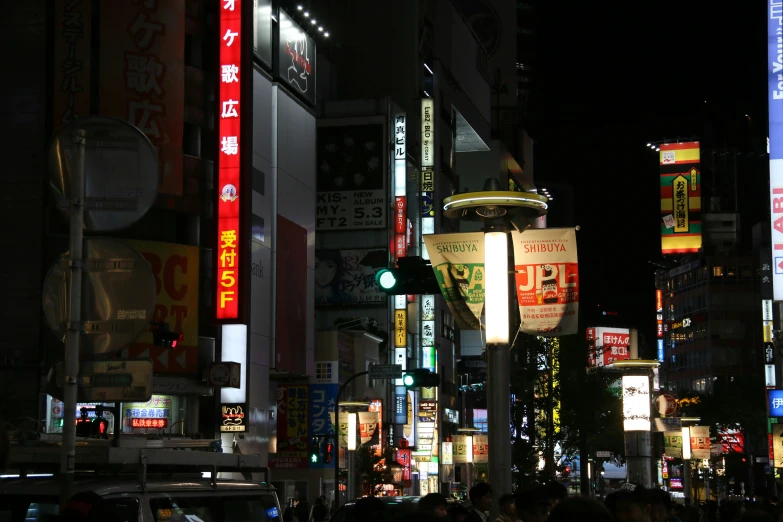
(680, 169)
(775, 139)
(608, 345)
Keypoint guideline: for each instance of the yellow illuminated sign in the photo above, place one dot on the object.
(680, 204)
(400, 328)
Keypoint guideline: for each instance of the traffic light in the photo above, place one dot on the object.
(315, 450)
(420, 378)
(329, 450)
(412, 276)
(162, 336)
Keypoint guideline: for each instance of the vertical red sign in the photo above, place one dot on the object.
(399, 215)
(229, 112)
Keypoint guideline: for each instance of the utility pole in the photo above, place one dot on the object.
(71, 365)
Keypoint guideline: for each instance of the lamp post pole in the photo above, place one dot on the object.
(337, 498)
(497, 209)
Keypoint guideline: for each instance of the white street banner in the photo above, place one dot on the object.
(547, 281)
(458, 262)
(700, 442)
(480, 449)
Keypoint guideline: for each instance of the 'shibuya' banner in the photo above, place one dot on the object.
(547, 278)
(458, 262)
(547, 281)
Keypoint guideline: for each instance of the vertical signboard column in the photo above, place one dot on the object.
(427, 429)
(775, 144)
(228, 251)
(399, 131)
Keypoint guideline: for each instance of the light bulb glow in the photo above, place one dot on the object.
(351, 431)
(496, 280)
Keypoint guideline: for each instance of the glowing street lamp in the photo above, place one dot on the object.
(496, 289)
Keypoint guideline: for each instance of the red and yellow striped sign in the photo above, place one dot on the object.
(680, 198)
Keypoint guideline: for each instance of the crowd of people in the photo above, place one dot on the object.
(551, 503)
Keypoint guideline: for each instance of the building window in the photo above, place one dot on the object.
(732, 271)
(323, 371)
(717, 271)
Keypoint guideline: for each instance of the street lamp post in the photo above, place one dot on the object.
(337, 498)
(497, 210)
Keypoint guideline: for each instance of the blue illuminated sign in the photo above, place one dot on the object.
(775, 103)
(660, 350)
(776, 403)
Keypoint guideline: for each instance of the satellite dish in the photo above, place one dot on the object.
(118, 296)
(121, 172)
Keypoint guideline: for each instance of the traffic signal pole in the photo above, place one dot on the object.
(71, 363)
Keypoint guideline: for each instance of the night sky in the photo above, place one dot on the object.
(609, 81)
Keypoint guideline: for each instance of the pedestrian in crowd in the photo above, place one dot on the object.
(555, 492)
(370, 509)
(580, 509)
(629, 504)
(433, 504)
(458, 513)
(481, 502)
(508, 509)
(302, 510)
(319, 510)
(660, 506)
(757, 515)
(532, 505)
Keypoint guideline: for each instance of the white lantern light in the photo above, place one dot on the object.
(636, 403)
(351, 431)
(496, 279)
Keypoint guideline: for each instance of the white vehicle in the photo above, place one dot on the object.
(173, 482)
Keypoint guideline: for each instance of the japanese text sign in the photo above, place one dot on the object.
(427, 132)
(680, 165)
(142, 75)
(400, 328)
(776, 403)
(233, 417)
(229, 111)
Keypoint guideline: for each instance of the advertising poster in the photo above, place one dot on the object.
(292, 427)
(296, 58)
(547, 281)
(458, 262)
(351, 178)
(322, 400)
(176, 271)
(672, 444)
(459, 449)
(480, 449)
(376, 406)
(700, 442)
(680, 197)
(291, 295)
(369, 432)
(341, 279)
(777, 445)
(142, 76)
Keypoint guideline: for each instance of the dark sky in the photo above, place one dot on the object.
(611, 79)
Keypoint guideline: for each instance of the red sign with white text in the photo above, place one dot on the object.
(228, 162)
(399, 215)
(149, 423)
(659, 301)
(400, 245)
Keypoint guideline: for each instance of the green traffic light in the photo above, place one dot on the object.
(314, 458)
(407, 379)
(386, 279)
